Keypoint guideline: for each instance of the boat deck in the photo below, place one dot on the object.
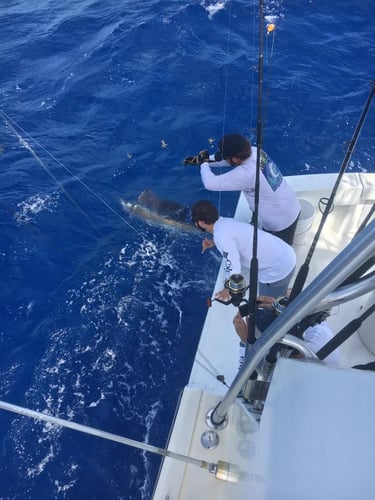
(307, 460)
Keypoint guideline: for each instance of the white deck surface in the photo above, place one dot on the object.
(313, 441)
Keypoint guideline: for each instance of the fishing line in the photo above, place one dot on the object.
(225, 98)
(269, 70)
(248, 125)
(253, 84)
(27, 146)
(254, 259)
(210, 368)
(33, 228)
(12, 124)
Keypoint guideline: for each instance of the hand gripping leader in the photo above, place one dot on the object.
(198, 159)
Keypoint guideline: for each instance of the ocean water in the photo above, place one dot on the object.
(100, 311)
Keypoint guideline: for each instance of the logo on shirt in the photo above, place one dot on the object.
(228, 263)
(270, 171)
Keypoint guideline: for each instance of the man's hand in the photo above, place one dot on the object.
(241, 326)
(206, 243)
(265, 302)
(223, 295)
(198, 159)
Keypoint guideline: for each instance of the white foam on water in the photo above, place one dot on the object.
(213, 7)
(40, 466)
(95, 403)
(29, 209)
(149, 420)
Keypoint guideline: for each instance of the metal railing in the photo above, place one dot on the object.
(363, 285)
(361, 248)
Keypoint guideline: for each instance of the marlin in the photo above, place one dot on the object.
(156, 210)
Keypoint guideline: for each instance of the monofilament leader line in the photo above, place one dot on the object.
(225, 99)
(13, 127)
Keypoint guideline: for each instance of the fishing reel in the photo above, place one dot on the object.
(277, 307)
(280, 304)
(236, 285)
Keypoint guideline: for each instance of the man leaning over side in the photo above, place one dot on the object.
(233, 239)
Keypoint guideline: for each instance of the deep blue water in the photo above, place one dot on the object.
(100, 311)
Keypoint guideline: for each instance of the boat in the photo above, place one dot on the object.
(255, 422)
(310, 435)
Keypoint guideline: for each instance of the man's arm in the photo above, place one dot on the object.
(229, 181)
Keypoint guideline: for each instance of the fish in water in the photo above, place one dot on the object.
(151, 207)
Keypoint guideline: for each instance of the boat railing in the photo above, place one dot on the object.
(361, 249)
(343, 294)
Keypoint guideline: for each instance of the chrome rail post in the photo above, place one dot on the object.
(300, 346)
(361, 248)
(362, 286)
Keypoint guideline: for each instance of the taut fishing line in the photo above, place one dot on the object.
(225, 99)
(13, 126)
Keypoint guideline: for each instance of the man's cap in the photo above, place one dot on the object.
(232, 145)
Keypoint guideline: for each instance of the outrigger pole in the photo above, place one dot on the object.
(254, 260)
(222, 470)
(303, 272)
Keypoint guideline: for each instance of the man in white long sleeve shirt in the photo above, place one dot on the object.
(233, 239)
(278, 208)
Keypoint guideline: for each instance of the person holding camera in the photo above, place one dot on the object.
(279, 207)
(233, 239)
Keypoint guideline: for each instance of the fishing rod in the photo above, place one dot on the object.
(370, 262)
(254, 259)
(366, 219)
(344, 334)
(304, 270)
